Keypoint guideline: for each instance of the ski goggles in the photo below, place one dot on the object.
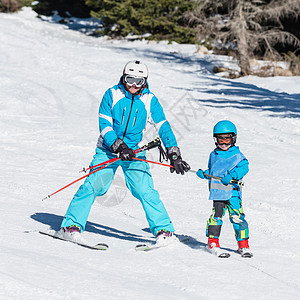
(132, 80)
(223, 140)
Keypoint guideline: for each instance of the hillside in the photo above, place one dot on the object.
(51, 82)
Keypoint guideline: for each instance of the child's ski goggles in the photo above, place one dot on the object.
(137, 81)
(223, 140)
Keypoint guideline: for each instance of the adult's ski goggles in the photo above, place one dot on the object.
(137, 81)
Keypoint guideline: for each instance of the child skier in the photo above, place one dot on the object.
(227, 162)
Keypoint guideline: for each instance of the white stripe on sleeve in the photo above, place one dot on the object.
(108, 118)
(158, 125)
(106, 130)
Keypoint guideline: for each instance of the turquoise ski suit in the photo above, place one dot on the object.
(229, 197)
(123, 115)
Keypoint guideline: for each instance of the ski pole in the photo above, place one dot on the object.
(155, 143)
(153, 162)
(103, 163)
(80, 179)
(240, 183)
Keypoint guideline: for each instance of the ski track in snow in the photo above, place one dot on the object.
(51, 83)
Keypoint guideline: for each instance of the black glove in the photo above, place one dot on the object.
(179, 165)
(125, 153)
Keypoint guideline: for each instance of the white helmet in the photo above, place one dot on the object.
(136, 69)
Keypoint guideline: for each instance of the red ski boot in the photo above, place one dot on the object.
(244, 249)
(213, 247)
(213, 243)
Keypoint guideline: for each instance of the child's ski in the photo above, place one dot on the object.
(57, 235)
(219, 252)
(245, 253)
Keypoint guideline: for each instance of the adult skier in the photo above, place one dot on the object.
(124, 111)
(226, 161)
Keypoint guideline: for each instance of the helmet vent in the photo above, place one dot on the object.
(136, 68)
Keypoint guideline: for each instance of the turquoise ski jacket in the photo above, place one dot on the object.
(123, 115)
(220, 164)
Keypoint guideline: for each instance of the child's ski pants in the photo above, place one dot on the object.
(236, 216)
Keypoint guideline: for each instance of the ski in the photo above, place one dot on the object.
(218, 252)
(144, 247)
(244, 252)
(155, 246)
(57, 235)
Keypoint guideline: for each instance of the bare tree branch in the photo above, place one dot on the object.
(252, 25)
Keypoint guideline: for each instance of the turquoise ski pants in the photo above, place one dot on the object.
(138, 180)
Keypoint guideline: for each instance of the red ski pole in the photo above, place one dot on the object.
(153, 162)
(240, 183)
(155, 143)
(151, 145)
(103, 163)
(80, 178)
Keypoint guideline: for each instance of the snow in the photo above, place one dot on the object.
(51, 83)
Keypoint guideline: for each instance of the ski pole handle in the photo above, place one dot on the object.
(153, 144)
(238, 182)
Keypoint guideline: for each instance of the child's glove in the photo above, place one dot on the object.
(226, 179)
(200, 173)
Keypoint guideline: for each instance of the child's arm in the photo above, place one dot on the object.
(240, 170)
(237, 173)
(200, 173)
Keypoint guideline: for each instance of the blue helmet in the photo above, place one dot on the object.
(224, 126)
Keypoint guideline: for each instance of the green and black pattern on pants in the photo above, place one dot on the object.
(236, 217)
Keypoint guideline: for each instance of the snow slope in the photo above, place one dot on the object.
(51, 82)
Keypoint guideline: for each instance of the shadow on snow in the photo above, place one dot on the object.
(248, 96)
(226, 92)
(54, 222)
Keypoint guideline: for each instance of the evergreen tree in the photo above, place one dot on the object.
(65, 8)
(161, 18)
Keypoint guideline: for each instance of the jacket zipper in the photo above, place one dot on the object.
(128, 117)
(123, 116)
(136, 113)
